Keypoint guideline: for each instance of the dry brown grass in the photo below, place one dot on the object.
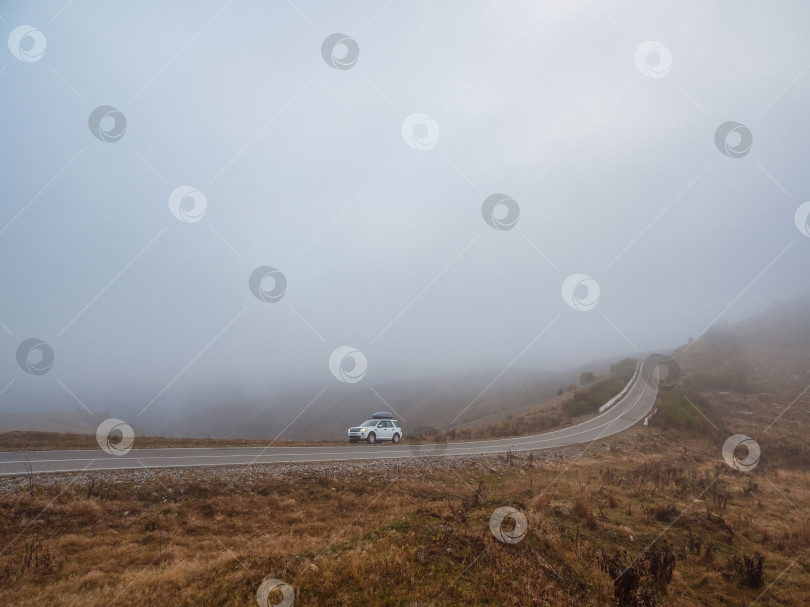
(389, 539)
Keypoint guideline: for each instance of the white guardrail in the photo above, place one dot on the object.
(624, 390)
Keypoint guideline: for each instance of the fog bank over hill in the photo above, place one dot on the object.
(774, 343)
(767, 353)
(318, 410)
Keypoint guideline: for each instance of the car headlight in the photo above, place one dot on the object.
(362, 429)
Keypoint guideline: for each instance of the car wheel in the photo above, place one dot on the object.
(372, 438)
(395, 439)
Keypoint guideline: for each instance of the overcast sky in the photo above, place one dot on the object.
(310, 161)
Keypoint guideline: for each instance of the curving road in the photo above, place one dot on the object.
(625, 412)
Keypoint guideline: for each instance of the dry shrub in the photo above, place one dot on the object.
(583, 509)
(750, 569)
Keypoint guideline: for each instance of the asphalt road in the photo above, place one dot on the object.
(629, 410)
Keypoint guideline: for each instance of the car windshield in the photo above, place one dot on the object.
(370, 422)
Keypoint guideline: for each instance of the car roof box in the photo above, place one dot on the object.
(382, 415)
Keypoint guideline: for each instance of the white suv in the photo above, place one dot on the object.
(381, 426)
